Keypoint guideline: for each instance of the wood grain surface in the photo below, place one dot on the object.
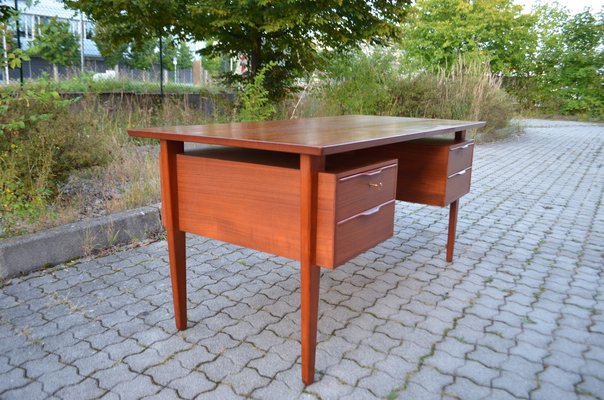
(313, 136)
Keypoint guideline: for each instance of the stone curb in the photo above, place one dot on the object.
(24, 254)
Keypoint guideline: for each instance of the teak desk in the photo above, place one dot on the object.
(317, 190)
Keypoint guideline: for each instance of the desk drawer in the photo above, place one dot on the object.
(354, 235)
(364, 190)
(457, 185)
(460, 156)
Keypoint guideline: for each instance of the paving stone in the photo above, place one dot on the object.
(564, 379)
(192, 358)
(166, 372)
(415, 391)
(87, 389)
(499, 394)
(380, 383)
(463, 388)
(246, 381)
(88, 365)
(164, 393)
(57, 379)
(220, 368)
(31, 391)
(516, 382)
(348, 372)
(487, 357)
(222, 392)
(139, 387)
(193, 384)
(15, 378)
(431, 379)
(591, 386)
(477, 373)
(112, 376)
(547, 391)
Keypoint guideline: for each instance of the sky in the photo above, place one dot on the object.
(575, 6)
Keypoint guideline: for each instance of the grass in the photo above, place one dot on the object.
(376, 84)
(85, 84)
(124, 174)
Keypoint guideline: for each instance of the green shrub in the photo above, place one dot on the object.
(41, 142)
(379, 83)
(467, 92)
(359, 83)
(254, 102)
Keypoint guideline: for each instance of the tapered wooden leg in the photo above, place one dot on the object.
(176, 238)
(309, 272)
(178, 275)
(309, 293)
(452, 228)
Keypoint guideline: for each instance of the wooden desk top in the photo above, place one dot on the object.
(313, 136)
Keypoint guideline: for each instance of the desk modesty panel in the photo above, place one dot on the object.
(318, 190)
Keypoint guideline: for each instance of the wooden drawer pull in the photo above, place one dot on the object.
(367, 213)
(465, 146)
(369, 173)
(463, 172)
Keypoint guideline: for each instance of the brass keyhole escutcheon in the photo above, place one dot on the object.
(378, 185)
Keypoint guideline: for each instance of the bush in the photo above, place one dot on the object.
(254, 102)
(378, 84)
(41, 142)
(357, 83)
(467, 92)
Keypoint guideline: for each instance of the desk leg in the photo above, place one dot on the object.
(452, 229)
(176, 238)
(309, 271)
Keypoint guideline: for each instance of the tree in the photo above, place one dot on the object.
(11, 55)
(289, 33)
(569, 68)
(437, 32)
(112, 54)
(142, 56)
(184, 57)
(57, 45)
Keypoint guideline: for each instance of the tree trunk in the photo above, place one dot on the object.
(256, 56)
(6, 71)
(55, 72)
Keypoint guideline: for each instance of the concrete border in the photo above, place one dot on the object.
(28, 253)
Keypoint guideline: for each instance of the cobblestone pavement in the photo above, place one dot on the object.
(518, 314)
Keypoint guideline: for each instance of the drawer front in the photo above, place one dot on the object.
(460, 156)
(362, 231)
(458, 184)
(365, 190)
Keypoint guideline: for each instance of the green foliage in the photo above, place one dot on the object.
(85, 84)
(254, 102)
(567, 73)
(143, 55)
(212, 64)
(40, 143)
(467, 91)
(174, 49)
(437, 32)
(286, 32)
(113, 54)
(14, 56)
(375, 83)
(56, 44)
(184, 56)
(359, 83)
